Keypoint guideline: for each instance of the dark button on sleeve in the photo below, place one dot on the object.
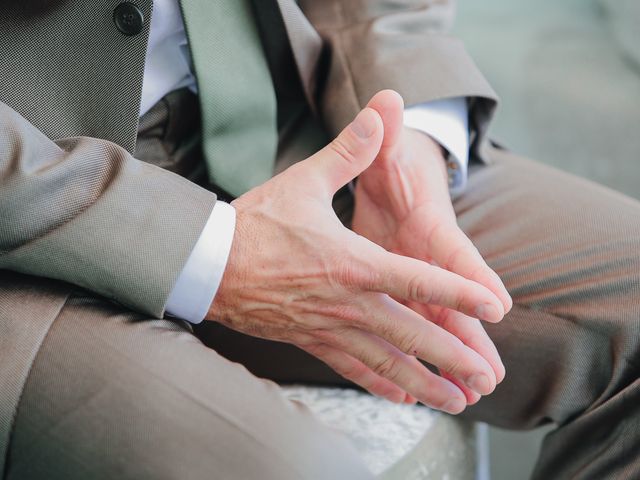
(128, 18)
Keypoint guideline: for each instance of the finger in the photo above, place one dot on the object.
(390, 106)
(410, 400)
(353, 150)
(472, 397)
(469, 330)
(403, 370)
(450, 247)
(412, 334)
(357, 372)
(410, 279)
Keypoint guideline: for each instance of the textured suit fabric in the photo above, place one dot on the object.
(567, 250)
(65, 215)
(22, 331)
(82, 209)
(370, 46)
(114, 394)
(69, 71)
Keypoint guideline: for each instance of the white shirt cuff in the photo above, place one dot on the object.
(200, 278)
(446, 121)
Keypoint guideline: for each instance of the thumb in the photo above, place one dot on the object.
(349, 154)
(390, 106)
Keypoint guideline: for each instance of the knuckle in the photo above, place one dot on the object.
(412, 343)
(388, 368)
(342, 317)
(478, 341)
(304, 341)
(455, 358)
(455, 363)
(349, 313)
(454, 366)
(443, 318)
(349, 272)
(343, 149)
(324, 335)
(387, 327)
(372, 277)
(319, 350)
(419, 291)
(353, 371)
(460, 297)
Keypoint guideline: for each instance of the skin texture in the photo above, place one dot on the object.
(402, 203)
(296, 274)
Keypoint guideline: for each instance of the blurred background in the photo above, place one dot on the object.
(568, 74)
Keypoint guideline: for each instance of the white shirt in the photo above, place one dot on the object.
(167, 68)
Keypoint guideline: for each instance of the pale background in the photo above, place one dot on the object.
(570, 97)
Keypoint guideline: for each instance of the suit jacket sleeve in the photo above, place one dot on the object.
(84, 211)
(372, 45)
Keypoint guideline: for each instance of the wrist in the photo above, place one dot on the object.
(232, 275)
(429, 142)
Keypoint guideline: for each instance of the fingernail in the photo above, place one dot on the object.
(409, 400)
(509, 305)
(488, 313)
(454, 406)
(364, 125)
(479, 383)
(503, 372)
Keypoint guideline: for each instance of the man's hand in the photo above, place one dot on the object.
(296, 275)
(403, 204)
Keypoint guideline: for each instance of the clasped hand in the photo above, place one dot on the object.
(371, 310)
